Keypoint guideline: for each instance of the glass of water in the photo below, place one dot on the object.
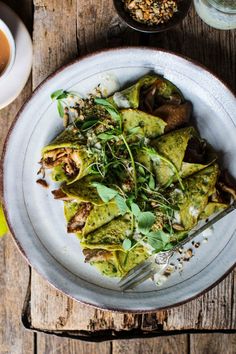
(219, 14)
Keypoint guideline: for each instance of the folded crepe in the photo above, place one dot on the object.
(138, 123)
(103, 248)
(115, 263)
(84, 210)
(149, 87)
(105, 261)
(176, 155)
(110, 236)
(130, 97)
(194, 199)
(158, 97)
(67, 156)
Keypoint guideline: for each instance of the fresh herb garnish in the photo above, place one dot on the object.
(127, 244)
(145, 221)
(105, 193)
(59, 95)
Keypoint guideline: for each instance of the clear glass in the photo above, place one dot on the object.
(220, 14)
(228, 6)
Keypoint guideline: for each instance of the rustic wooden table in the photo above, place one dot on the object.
(63, 30)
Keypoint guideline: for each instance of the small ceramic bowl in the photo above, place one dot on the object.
(183, 7)
(5, 29)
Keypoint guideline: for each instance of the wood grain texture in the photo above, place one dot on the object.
(212, 343)
(14, 271)
(49, 344)
(61, 30)
(54, 36)
(162, 345)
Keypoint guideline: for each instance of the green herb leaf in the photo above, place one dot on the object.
(141, 179)
(56, 94)
(60, 109)
(109, 108)
(107, 136)
(113, 113)
(127, 244)
(155, 243)
(141, 170)
(64, 94)
(145, 221)
(105, 193)
(104, 102)
(121, 203)
(89, 124)
(3, 223)
(151, 183)
(168, 247)
(135, 209)
(158, 239)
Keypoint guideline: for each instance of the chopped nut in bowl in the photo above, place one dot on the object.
(152, 16)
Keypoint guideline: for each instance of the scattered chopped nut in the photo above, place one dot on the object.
(151, 12)
(188, 254)
(178, 227)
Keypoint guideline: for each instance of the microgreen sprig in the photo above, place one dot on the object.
(115, 114)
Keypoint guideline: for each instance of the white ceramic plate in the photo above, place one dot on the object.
(37, 220)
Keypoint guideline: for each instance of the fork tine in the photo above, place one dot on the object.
(138, 280)
(134, 271)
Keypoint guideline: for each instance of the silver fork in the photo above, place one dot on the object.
(156, 264)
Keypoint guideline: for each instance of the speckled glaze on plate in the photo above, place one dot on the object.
(36, 219)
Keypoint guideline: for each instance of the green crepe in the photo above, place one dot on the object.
(110, 236)
(167, 159)
(131, 94)
(81, 192)
(70, 139)
(212, 208)
(193, 201)
(142, 124)
(130, 97)
(118, 263)
(128, 260)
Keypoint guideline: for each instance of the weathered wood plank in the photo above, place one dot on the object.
(54, 311)
(54, 36)
(162, 345)
(213, 311)
(98, 26)
(14, 271)
(212, 343)
(49, 344)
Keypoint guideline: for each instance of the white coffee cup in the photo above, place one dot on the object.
(5, 29)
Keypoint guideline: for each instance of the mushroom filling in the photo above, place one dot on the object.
(96, 255)
(66, 157)
(196, 151)
(77, 222)
(172, 110)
